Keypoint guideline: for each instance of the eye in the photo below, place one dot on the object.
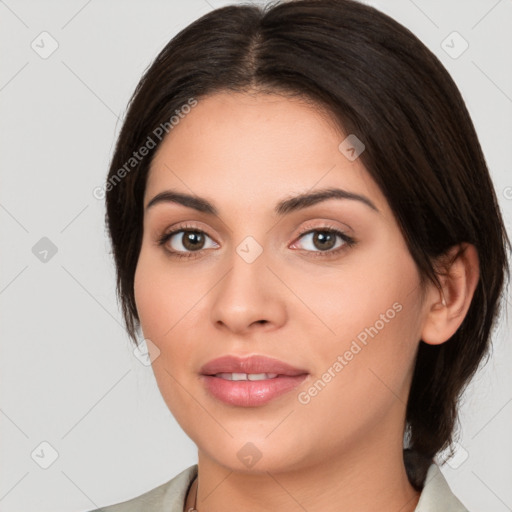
(325, 240)
(183, 241)
(189, 241)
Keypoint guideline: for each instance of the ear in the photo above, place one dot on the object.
(447, 306)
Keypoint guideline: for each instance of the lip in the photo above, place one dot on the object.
(245, 393)
(251, 364)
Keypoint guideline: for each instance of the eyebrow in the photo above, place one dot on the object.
(282, 208)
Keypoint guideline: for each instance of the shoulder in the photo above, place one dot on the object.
(167, 497)
(436, 495)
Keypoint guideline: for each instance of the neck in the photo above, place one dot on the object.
(372, 479)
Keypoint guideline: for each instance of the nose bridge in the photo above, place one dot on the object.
(247, 275)
(249, 250)
(245, 295)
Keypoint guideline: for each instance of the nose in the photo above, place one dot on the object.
(249, 297)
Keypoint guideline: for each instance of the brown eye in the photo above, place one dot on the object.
(192, 240)
(185, 241)
(188, 240)
(324, 240)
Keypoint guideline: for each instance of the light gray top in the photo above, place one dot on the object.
(436, 495)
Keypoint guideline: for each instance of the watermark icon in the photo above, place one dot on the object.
(249, 249)
(454, 45)
(44, 250)
(507, 193)
(351, 147)
(44, 455)
(44, 45)
(304, 397)
(146, 352)
(453, 458)
(150, 143)
(249, 454)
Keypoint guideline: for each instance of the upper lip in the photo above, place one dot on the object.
(251, 364)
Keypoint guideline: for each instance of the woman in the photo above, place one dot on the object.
(307, 236)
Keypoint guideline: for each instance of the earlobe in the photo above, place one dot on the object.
(448, 306)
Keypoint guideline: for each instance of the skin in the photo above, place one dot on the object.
(295, 302)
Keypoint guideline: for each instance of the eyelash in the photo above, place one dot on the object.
(348, 241)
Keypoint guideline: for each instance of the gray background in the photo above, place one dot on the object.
(68, 375)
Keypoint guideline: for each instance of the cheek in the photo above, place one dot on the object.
(364, 370)
(163, 295)
(370, 317)
(365, 291)
(147, 294)
(164, 306)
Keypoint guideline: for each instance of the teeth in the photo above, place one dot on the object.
(246, 376)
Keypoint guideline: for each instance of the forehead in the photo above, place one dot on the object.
(263, 146)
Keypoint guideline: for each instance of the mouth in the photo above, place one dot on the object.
(246, 376)
(249, 382)
(251, 390)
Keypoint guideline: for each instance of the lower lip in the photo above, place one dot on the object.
(250, 393)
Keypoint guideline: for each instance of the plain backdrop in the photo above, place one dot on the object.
(82, 423)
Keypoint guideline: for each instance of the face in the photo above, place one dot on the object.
(327, 286)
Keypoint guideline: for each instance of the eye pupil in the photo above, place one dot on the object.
(325, 239)
(193, 240)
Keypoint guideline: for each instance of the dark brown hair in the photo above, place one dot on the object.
(382, 84)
